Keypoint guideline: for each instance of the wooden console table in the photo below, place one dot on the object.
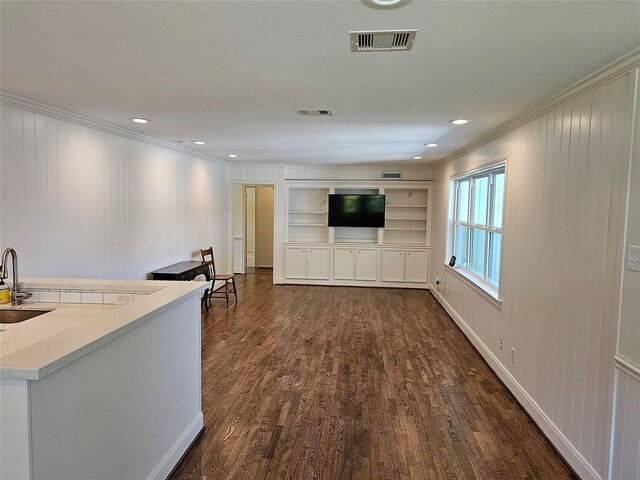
(185, 271)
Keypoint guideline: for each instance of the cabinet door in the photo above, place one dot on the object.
(392, 263)
(366, 264)
(295, 262)
(416, 266)
(343, 263)
(318, 263)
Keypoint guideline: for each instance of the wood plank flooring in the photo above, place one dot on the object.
(305, 382)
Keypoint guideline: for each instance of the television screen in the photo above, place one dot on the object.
(356, 211)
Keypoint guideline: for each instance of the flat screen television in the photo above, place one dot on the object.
(347, 210)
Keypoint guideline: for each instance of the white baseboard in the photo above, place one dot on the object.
(177, 450)
(551, 431)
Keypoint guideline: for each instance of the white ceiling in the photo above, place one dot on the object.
(231, 72)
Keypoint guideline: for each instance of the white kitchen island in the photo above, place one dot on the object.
(106, 385)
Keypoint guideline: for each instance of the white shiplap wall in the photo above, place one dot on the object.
(563, 235)
(79, 202)
(310, 172)
(625, 463)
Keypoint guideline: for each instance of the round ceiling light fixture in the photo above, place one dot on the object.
(197, 142)
(232, 155)
(430, 145)
(459, 121)
(417, 157)
(385, 3)
(140, 120)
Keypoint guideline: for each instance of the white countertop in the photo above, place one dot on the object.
(36, 347)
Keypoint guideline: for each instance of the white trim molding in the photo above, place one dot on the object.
(627, 367)
(77, 119)
(171, 459)
(606, 74)
(573, 457)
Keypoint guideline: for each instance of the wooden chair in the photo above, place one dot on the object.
(227, 278)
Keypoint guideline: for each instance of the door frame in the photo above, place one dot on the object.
(244, 220)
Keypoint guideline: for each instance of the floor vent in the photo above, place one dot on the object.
(382, 40)
(314, 113)
(391, 175)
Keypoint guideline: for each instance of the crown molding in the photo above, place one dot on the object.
(257, 165)
(606, 74)
(627, 366)
(66, 116)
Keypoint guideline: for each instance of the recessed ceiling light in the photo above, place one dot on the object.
(232, 155)
(385, 3)
(417, 158)
(459, 121)
(140, 120)
(198, 142)
(430, 145)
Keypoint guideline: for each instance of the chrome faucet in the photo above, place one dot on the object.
(16, 295)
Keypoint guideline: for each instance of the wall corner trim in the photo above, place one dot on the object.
(606, 74)
(82, 120)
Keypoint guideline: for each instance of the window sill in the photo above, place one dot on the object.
(488, 293)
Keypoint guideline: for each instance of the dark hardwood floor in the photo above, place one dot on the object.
(307, 382)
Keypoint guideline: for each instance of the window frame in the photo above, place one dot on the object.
(490, 172)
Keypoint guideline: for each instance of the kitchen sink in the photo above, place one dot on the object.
(19, 315)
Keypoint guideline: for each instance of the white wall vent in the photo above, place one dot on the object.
(314, 113)
(382, 40)
(391, 175)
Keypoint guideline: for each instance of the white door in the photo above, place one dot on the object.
(343, 263)
(416, 266)
(366, 264)
(295, 262)
(318, 263)
(392, 265)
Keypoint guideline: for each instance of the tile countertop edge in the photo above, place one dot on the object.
(101, 330)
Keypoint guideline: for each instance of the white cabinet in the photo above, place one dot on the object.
(405, 265)
(416, 266)
(344, 263)
(392, 263)
(318, 263)
(295, 262)
(355, 264)
(366, 264)
(302, 262)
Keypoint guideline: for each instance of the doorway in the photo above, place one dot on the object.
(259, 227)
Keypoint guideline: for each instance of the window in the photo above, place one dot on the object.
(478, 205)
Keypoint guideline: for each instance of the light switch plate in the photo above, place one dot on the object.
(633, 258)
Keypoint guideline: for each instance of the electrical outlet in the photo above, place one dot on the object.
(513, 356)
(500, 344)
(633, 258)
(123, 298)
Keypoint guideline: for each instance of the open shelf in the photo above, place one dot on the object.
(356, 240)
(307, 222)
(407, 229)
(389, 205)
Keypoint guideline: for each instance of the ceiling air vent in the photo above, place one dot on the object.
(391, 175)
(382, 40)
(314, 113)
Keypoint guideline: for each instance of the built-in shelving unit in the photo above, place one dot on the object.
(307, 215)
(396, 255)
(405, 216)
